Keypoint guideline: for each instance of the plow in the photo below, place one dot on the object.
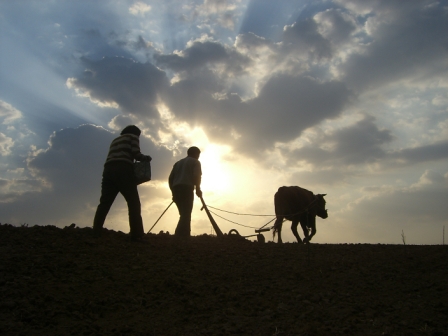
(219, 233)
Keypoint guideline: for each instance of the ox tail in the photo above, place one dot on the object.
(277, 226)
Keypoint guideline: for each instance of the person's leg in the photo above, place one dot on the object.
(128, 188)
(134, 209)
(178, 200)
(184, 198)
(108, 193)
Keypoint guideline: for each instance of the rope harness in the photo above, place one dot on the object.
(275, 216)
(261, 229)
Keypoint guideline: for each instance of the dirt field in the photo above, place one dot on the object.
(64, 282)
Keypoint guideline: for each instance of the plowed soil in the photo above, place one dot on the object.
(65, 282)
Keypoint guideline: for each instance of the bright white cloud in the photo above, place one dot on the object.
(222, 12)
(8, 113)
(5, 144)
(139, 8)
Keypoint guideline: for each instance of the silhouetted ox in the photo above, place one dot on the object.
(298, 205)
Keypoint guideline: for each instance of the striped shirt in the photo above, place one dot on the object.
(125, 148)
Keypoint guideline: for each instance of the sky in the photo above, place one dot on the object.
(347, 98)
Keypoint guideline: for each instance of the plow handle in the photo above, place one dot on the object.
(215, 226)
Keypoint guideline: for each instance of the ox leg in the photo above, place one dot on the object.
(311, 223)
(305, 231)
(294, 231)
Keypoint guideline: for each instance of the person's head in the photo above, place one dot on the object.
(131, 129)
(194, 152)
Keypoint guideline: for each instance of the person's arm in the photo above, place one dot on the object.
(135, 150)
(197, 172)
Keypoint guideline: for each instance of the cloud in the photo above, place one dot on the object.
(139, 8)
(267, 18)
(401, 48)
(418, 210)
(72, 156)
(363, 143)
(335, 25)
(13, 190)
(5, 144)
(288, 105)
(65, 178)
(334, 153)
(321, 178)
(433, 152)
(222, 12)
(8, 113)
(201, 54)
(251, 43)
(304, 35)
(121, 82)
(204, 88)
(285, 106)
(13, 130)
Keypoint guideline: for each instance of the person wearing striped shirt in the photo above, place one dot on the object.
(118, 177)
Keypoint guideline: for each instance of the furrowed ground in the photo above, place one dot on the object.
(65, 282)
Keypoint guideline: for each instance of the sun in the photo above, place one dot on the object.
(215, 172)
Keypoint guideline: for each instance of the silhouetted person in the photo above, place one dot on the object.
(118, 177)
(184, 177)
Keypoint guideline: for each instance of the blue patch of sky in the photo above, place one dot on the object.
(175, 35)
(314, 7)
(267, 18)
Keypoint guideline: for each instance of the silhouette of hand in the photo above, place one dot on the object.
(199, 192)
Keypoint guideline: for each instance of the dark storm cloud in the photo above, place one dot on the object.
(132, 85)
(305, 35)
(73, 153)
(201, 54)
(337, 25)
(433, 152)
(363, 143)
(69, 171)
(285, 106)
(410, 42)
(357, 144)
(191, 99)
(288, 105)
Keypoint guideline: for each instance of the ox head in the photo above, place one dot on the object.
(321, 211)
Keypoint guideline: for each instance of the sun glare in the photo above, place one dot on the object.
(215, 176)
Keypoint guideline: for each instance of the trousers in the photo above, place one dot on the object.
(183, 196)
(118, 177)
